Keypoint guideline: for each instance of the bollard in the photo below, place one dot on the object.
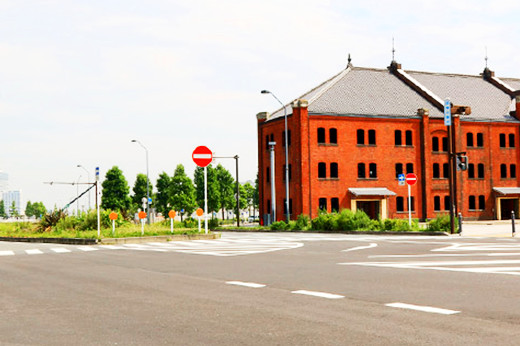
(513, 222)
(460, 223)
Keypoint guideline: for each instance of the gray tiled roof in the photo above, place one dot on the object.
(378, 92)
(507, 190)
(486, 101)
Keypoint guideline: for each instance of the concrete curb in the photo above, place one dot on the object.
(338, 232)
(111, 241)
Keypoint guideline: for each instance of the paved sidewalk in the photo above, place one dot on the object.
(489, 228)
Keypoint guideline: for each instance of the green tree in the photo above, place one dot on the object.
(115, 191)
(139, 190)
(182, 192)
(213, 190)
(29, 209)
(226, 188)
(38, 209)
(163, 193)
(13, 211)
(3, 214)
(249, 192)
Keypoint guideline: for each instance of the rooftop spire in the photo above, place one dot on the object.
(393, 50)
(349, 60)
(486, 58)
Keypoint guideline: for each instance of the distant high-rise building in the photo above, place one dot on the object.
(13, 196)
(4, 180)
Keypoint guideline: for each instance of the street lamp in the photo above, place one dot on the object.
(286, 155)
(88, 176)
(147, 181)
(77, 196)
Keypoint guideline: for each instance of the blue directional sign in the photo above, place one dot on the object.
(447, 112)
(401, 179)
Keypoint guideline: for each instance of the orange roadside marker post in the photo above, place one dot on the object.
(142, 216)
(171, 215)
(199, 213)
(113, 217)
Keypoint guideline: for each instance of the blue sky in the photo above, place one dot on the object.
(80, 79)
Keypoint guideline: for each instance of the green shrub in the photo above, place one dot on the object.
(302, 223)
(213, 223)
(442, 224)
(279, 226)
(325, 222)
(49, 220)
(191, 223)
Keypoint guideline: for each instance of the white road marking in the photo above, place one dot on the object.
(361, 247)
(60, 250)
(319, 294)
(246, 284)
(87, 248)
(423, 308)
(34, 252)
(6, 253)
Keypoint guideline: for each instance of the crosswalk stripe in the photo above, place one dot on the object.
(6, 253)
(33, 252)
(87, 248)
(60, 250)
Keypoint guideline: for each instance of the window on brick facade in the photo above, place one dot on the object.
(372, 170)
(398, 169)
(321, 135)
(480, 140)
(502, 140)
(436, 171)
(472, 204)
(471, 170)
(361, 170)
(408, 137)
(445, 170)
(267, 142)
(290, 172)
(334, 204)
(322, 170)
(360, 137)
(511, 140)
(267, 175)
(371, 137)
(436, 203)
(397, 137)
(399, 204)
(503, 170)
(447, 203)
(480, 169)
(445, 144)
(411, 205)
(333, 136)
(334, 170)
(285, 206)
(469, 139)
(409, 168)
(481, 202)
(435, 144)
(268, 206)
(288, 138)
(322, 204)
(512, 171)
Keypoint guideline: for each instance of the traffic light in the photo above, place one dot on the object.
(462, 162)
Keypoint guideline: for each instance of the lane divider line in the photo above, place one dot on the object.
(319, 294)
(361, 247)
(423, 308)
(246, 284)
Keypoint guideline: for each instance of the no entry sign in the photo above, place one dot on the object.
(411, 178)
(202, 156)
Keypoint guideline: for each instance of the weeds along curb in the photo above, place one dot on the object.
(336, 232)
(111, 241)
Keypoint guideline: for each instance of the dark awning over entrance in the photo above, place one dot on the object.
(371, 191)
(505, 191)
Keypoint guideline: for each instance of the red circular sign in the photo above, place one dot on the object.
(142, 215)
(411, 178)
(200, 212)
(202, 156)
(112, 216)
(172, 214)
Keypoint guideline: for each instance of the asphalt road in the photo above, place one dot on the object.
(264, 289)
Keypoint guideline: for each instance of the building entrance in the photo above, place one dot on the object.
(507, 205)
(371, 208)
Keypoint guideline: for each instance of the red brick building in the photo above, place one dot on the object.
(352, 135)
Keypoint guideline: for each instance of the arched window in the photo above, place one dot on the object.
(333, 136)
(360, 137)
(469, 139)
(399, 204)
(435, 144)
(361, 170)
(372, 170)
(436, 203)
(481, 170)
(334, 170)
(472, 205)
(371, 137)
(436, 171)
(481, 202)
(408, 136)
(322, 170)
(321, 135)
(512, 171)
(397, 137)
(398, 169)
(511, 140)
(480, 140)
(503, 171)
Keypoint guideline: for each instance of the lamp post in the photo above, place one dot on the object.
(286, 155)
(77, 195)
(147, 181)
(88, 177)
